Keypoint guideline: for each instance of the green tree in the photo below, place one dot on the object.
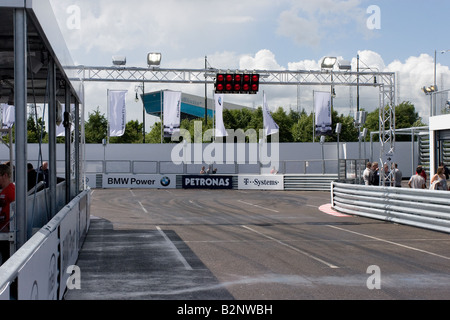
(285, 123)
(96, 127)
(35, 131)
(132, 134)
(257, 121)
(154, 136)
(302, 131)
(405, 117)
(348, 132)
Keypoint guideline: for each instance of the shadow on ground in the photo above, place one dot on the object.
(141, 265)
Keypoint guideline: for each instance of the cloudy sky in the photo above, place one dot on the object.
(397, 36)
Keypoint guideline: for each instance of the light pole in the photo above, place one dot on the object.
(142, 87)
(153, 61)
(435, 78)
(429, 91)
(328, 64)
(322, 142)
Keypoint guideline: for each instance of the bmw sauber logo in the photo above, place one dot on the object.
(165, 181)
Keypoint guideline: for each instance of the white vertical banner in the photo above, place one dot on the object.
(117, 115)
(220, 126)
(9, 116)
(270, 126)
(322, 109)
(172, 112)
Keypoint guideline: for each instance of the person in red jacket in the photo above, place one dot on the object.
(423, 174)
(7, 196)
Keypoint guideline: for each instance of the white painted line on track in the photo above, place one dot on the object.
(140, 203)
(195, 204)
(177, 252)
(391, 242)
(142, 206)
(255, 205)
(332, 266)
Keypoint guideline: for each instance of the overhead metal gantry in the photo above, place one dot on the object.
(385, 81)
(202, 76)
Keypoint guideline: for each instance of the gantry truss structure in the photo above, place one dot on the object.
(385, 81)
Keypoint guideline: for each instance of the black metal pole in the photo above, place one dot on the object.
(206, 92)
(357, 86)
(143, 111)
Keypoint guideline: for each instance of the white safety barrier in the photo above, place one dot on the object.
(420, 208)
(39, 270)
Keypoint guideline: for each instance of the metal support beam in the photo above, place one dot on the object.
(387, 130)
(20, 101)
(202, 76)
(52, 135)
(77, 147)
(67, 140)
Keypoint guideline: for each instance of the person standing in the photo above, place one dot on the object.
(33, 177)
(398, 176)
(366, 173)
(7, 196)
(387, 175)
(439, 181)
(423, 173)
(43, 173)
(417, 181)
(374, 178)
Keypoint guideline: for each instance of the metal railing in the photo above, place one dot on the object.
(420, 208)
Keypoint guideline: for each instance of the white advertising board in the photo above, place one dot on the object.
(142, 181)
(69, 235)
(91, 181)
(261, 182)
(37, 280)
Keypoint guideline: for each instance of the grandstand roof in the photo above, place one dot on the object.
(45, 41)
(192, 106)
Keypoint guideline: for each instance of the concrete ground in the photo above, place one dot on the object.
(191, 245)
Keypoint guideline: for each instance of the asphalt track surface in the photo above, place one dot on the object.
(252, 245)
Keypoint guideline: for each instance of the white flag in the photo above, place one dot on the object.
(220, 126)
(270, 126)
(9, 116)
(117, 116)
(172, 112)
(322, 108)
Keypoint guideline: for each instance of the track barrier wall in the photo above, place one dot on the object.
(40, 269)
(419, 208)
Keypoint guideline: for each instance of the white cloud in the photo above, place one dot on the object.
(302, 30)
(182, 29)
(263, 60)
(412, 75)
(369, 60)
(309, 23)
(111, 26)
(416, 73)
